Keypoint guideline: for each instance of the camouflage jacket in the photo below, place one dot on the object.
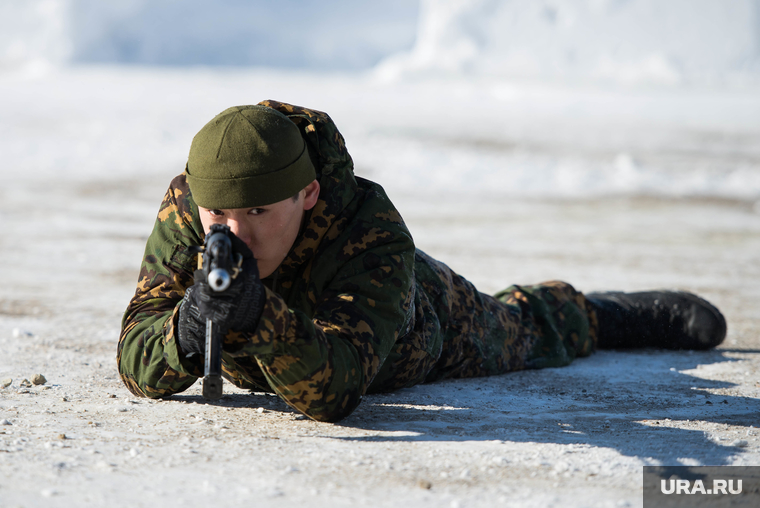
(337, 320)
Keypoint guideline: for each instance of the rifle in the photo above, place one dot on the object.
(219, 269)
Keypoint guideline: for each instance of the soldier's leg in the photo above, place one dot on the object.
(545, 325)
(562, 322)
(550, 324)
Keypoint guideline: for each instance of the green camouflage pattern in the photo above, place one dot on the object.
(354, 308)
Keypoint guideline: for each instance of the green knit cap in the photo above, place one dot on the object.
(247, 156)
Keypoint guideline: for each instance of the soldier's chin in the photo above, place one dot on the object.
(265, 269)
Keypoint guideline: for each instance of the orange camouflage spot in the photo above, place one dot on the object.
(165, 214)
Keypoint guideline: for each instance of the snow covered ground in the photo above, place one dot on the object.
(486, 184)
(510, 177)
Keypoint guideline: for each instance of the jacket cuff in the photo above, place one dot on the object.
(173, 354)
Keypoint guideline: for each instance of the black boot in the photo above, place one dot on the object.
(661, 319)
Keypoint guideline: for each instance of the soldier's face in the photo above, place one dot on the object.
(269, 231)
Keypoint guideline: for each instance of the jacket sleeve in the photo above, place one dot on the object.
(148, 357)
(322, 365)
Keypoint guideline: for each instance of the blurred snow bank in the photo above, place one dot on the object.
(326, 35)
(673, 42)
(493, 174)
(34, 35)
(631, 42)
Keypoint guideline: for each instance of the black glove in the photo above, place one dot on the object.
(238, 308)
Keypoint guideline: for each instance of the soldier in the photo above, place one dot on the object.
(334, 300)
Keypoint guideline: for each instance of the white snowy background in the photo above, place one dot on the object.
(611, 143)
(527, 98)
(452, 105)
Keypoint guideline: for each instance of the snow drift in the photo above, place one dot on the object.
(327, 35)
(706, 42)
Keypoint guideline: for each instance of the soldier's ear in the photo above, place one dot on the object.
(311, 195)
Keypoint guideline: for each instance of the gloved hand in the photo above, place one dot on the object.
(238, 308)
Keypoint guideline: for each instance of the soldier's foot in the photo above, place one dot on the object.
(661, 319)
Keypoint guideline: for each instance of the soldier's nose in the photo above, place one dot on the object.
(240, 232)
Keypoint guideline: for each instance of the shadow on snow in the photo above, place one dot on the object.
(625, 401)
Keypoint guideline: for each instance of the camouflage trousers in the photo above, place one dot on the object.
(521, 327)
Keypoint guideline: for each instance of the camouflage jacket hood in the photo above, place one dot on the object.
(335, 172)
(335, 307)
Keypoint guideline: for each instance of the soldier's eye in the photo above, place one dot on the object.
(257, 211)
(216, 213)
